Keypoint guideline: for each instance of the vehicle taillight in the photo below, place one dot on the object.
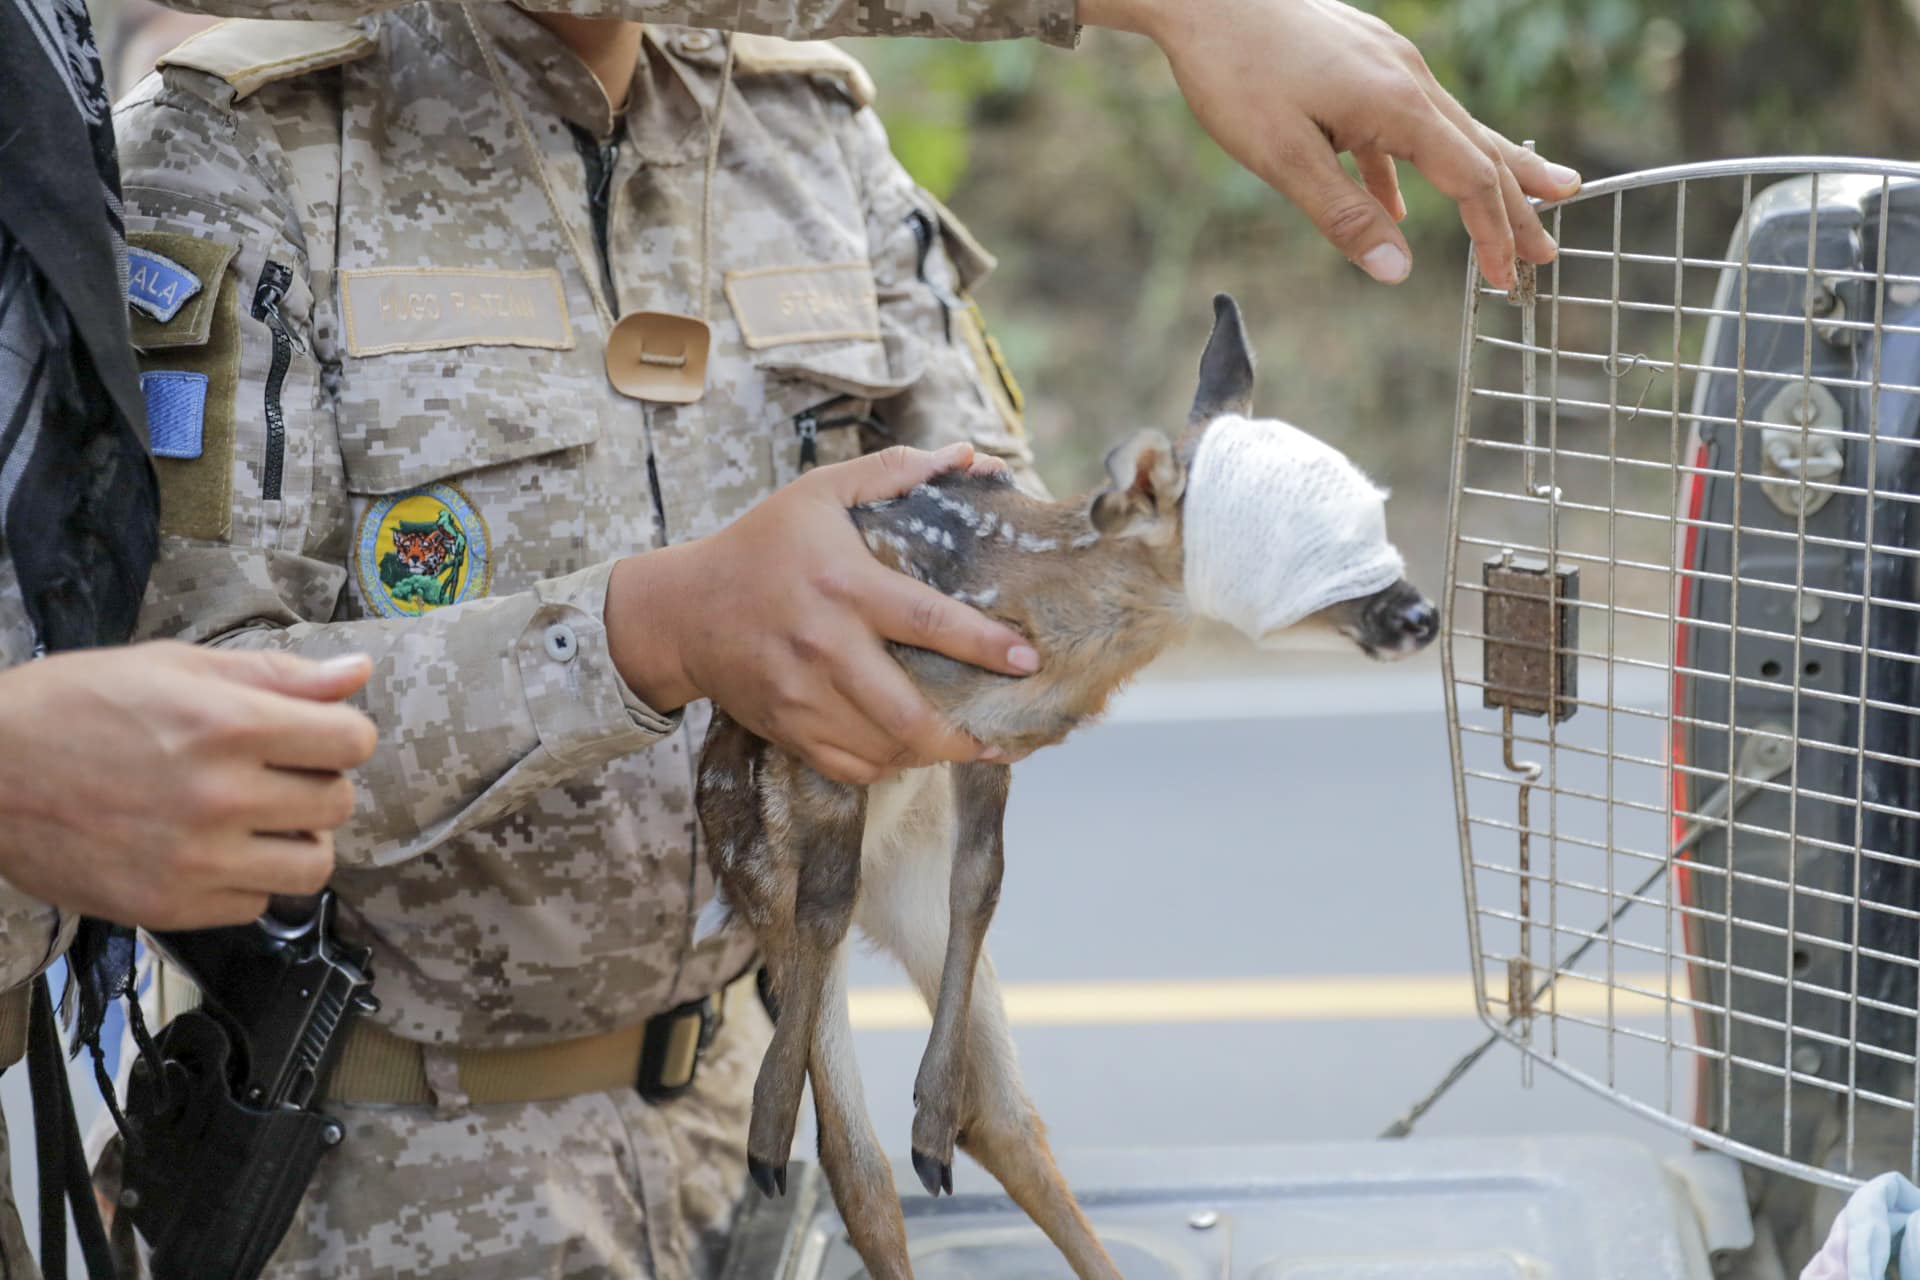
(1692, 501)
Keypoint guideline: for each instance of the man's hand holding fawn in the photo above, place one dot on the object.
(782, 619)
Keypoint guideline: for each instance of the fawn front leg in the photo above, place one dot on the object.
(980, 805)
(821, 839)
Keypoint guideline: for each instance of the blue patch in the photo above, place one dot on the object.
(176, 412)
(158, 285)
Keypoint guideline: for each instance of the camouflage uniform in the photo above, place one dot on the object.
(31, 932)
(415, 452)
(1050, 20)
(31, 935)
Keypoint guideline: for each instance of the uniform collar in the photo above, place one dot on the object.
(664, 112)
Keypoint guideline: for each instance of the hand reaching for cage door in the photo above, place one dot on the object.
(1285, 86)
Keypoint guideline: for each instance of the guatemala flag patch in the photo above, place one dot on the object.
(158, 285)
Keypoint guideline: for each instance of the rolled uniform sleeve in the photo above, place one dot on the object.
(575, 697)
(32, 935)
(481, 704)
(1052, 21)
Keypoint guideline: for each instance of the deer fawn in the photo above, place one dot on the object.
(1099, 585)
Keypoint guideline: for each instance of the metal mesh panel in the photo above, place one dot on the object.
(1682, 622)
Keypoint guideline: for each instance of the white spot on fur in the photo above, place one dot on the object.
(877, 539)
(1085, 540)
(713, 917)
(1027, 542)
(955, 506)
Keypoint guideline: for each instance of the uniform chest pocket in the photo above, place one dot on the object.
(468, 473)
(406, 420)
(827, 401)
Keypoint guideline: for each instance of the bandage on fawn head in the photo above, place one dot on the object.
(1279, 526)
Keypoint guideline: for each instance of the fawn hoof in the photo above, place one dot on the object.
(771, 1179)
(935, 1175)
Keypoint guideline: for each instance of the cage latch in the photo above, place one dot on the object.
(1531, 625)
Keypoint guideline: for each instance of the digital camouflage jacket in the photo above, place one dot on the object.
(1053, 21)
(382, 424)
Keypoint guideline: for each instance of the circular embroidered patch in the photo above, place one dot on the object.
(423, 550)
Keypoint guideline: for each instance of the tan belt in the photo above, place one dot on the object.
(378, 1067)
(14, 1018)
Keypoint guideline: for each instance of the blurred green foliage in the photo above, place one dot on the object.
(1116, 217)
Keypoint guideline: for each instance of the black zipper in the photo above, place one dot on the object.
(267, 296)
(659, 499)
(809, 423)
(600, 158)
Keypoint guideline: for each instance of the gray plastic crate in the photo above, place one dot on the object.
(1544, 1208)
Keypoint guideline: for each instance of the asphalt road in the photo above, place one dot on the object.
(1232, 914)
(1300, 836)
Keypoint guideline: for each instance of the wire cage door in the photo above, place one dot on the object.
(1683, 690)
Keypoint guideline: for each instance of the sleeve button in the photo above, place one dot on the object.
(562, 644)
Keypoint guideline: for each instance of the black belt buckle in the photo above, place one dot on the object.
(673, 1045)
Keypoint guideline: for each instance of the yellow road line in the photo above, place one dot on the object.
(1299, 999)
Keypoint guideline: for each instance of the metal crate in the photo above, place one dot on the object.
(1680, 656)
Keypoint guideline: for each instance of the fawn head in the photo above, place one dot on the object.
(1261, 525)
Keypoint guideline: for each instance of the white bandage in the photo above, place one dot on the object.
(1279, 526)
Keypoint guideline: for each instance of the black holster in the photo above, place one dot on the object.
(223, 1137)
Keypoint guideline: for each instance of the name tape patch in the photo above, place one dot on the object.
(386, 309)
(828, 303)
(157, 285)
(176, 412)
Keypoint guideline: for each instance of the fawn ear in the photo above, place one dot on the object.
(1226, 368)
(1147, 483)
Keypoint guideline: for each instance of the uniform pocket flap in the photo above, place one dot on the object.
(871, 370)
(408, 420)
(819, 323)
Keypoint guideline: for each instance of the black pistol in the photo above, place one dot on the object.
(223, 1131)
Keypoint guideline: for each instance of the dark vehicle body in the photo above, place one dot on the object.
(1799, 625)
